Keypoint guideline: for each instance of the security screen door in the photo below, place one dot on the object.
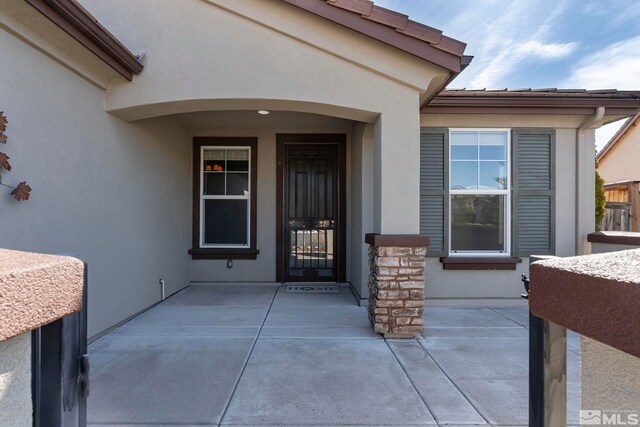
(311, 229)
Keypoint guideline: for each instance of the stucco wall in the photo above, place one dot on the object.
(361, 166)
(15, 381)
(600, 248)
(114, 194)
(610, 378)
(443, 284)
(229, 55)
(621, 162)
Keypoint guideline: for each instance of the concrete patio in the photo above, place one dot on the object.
(250, 355)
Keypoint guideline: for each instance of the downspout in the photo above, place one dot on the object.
(591, 122)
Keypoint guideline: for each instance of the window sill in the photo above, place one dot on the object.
(223, 253)
(479, 263)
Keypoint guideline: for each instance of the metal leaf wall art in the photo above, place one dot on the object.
(21, 191)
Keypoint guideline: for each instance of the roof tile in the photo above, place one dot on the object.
(362, 7)
(387, 17)
(422, 32)
(450, 45)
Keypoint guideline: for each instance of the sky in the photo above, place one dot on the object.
(569, 44)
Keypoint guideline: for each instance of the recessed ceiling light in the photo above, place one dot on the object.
(264, 112)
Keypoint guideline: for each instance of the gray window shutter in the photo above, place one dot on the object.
(434, 183)
(533, 192)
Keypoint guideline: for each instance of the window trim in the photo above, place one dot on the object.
(507, 193)
(199, 250)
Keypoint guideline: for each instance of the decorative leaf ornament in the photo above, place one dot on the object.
(3, 122)
(22, 190)
(4, 162)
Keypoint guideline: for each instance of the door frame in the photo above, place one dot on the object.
(340, 140)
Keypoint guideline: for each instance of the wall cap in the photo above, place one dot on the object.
(594, 295)
(397, 240)
(37, 289)
(615, 237)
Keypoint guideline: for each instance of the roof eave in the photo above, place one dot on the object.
(562, 103)
(454, 63)
(76, 21)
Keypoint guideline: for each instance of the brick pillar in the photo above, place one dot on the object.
(396, 284)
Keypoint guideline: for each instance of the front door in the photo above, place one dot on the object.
(312, 171)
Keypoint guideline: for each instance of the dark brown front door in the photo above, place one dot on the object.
(312, 240)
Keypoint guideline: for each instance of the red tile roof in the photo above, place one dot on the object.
(393, 28)
(401, 23)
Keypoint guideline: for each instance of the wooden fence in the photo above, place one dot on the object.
(617, 217)
(623, 206)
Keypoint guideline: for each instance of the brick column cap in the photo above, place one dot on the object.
(397, 240)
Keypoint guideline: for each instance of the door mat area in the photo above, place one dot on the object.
(313, 289)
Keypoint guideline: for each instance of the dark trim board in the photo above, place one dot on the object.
(615, 238)
(479, 263)
(196, 251)
(311, 139)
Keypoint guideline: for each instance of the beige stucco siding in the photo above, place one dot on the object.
(109, 192)
(198, 54)
(442, 284)
(621, 162)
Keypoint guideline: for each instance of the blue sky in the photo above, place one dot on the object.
(590, 44)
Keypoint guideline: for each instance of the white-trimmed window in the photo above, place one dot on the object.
(224, 198)
(479, 191)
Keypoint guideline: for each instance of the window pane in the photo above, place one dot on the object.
(477, 223)
(214, 155)
(225, 222)
(492, 138)
(238, 160)
(464, 145)
(493, 176)
(464, 152)
(213, 160)
(493, 152)
(237, 184)
(464, 138)
(214, 165)
(464, 175)
(213, 184)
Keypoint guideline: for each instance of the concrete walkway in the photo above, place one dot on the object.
(254, 355)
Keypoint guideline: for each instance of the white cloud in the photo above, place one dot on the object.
(613, 67)
(547, 51)
(516, 36)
